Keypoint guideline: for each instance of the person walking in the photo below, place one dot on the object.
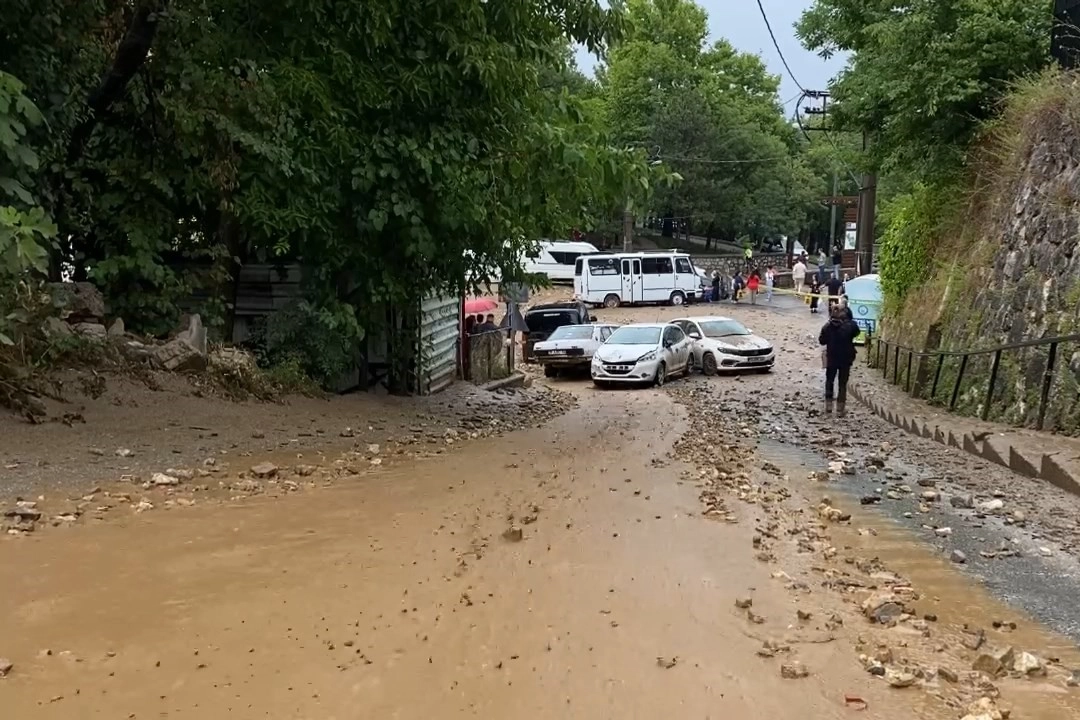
(815, 291)
(837, 260)
(770, 282)
(821, 260)
(798, 275)
(836, 288)
(752, 284)
(737, 285)
(716, 286)
(837, 339)
(748, 254)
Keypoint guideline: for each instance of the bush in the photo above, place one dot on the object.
(321, 340)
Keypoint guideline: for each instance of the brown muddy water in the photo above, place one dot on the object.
(398, 596)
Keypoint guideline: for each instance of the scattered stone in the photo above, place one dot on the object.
(163, 480)
(1028, 664)
(957, 556)
(1074, 679)
(124, 452)
(962, 502)
(991, 506)
(264, 470)
(179, 356)
(794, 671)
(943, 531)
(899, 678)
(667, 662)
(744, 602)
(513, 534)
(984, 709)
(803, 616)
(142, 506)
(116, 328)
(948, 675)
(929, 495)
(882, 607)
(6, 666)
(994, 662)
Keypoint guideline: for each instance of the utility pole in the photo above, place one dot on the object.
(832, 211)
(864, 236)
(627, 230)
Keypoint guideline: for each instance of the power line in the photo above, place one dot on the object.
(768, 26)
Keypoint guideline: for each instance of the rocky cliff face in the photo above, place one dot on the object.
(1015, 277)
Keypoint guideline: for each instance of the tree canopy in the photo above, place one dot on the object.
(713, 115)
(923, 74)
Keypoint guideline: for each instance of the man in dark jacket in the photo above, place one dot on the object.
(838, 338)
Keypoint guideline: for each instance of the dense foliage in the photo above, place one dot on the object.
(392, 147)
(923, 74)
(712, 114)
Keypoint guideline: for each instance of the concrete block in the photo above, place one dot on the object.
(940, 436)
(1058, 471)
(970, 445)
(992, 453)
(954, 441)
(1026, 464)
(927, 431)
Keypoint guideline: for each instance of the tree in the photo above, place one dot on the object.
(711, 114)
(376, 142)
(923, 75)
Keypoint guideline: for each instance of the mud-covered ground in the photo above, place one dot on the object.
(641, 553)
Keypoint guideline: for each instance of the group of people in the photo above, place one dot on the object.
(821, 282)
(749, 283)
(477, 324)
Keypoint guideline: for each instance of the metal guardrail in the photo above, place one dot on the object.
(879, 359)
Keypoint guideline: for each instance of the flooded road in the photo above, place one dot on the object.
(402, 598)
(645, 555)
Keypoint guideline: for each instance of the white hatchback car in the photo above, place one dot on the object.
(723, 344)
(643, 353)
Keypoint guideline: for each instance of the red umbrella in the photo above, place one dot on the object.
(480, 305)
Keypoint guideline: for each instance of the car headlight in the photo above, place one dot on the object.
(648, 357)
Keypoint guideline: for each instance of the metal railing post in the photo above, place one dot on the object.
(937, 376)
(885, 367)
(896, 366)
(1048, 376)
(990, 386)
(956, 385)
(907, 380)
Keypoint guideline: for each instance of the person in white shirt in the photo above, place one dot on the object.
(798, 275)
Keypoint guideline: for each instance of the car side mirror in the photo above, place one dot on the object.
(694, 336)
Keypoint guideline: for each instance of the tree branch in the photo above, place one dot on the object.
(130, 56)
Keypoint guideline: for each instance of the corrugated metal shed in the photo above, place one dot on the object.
(440, 334)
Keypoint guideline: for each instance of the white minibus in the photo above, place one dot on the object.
(614, 279)
(555, 260)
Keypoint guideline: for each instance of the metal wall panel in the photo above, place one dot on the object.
(440, 333)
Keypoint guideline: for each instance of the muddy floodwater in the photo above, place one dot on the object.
(567, 571)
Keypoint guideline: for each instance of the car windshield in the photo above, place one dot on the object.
(572, 332)
(545, 321)
(635, 336)
(722, 328)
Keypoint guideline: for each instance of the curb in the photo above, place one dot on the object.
(514, 380)
(1054, 468)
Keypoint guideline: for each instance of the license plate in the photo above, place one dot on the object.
(557, 352)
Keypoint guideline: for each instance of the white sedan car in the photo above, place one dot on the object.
(643, 353)
(570, 347)
(723, 344)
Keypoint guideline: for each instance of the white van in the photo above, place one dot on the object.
(555, 260)
(613, 279)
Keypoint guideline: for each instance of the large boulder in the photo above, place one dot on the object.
(78, 301)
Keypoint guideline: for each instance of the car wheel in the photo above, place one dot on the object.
(612, 301)
(661, 375)
(708, 364)
(678, 298)
(550, 371)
